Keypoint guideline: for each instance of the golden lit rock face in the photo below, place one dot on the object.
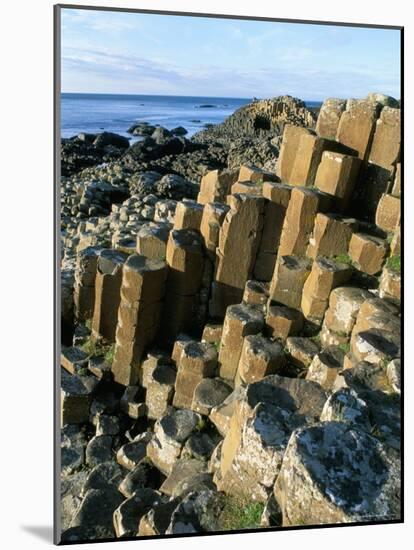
(141, 292)
(388, 213)
(299, 220)
(357, 126)
(385, 149)
(368, 252)
(329, 117)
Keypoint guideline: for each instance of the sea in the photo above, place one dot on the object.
(96, 113)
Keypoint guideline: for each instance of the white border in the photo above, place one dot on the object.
(27, 269)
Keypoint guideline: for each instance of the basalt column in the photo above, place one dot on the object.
(107, 293)
(185, 259)
(142, 291)
(239, 240)
(84, 290)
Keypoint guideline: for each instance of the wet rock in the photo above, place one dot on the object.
(109, 138)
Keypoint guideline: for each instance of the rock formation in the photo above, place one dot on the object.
(231, 325)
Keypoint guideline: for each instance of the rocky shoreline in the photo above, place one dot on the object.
(231, 323)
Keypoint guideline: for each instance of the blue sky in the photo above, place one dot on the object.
(118, 52)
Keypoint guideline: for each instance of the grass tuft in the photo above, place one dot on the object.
(342, 259)
(394, 263)
(99, 347)
(345, 347)
(240, 513)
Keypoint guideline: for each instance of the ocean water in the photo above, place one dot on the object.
(96, 113)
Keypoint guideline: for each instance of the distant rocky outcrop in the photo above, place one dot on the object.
(261, 118)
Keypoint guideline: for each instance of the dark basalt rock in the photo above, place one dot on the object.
(109, 138)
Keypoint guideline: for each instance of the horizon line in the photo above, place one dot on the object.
(185, 95)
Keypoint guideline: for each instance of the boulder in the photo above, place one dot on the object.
(75, 399)
(143, 477)
(97, 509)
(301, 352)
(99, 450)
(131, 454)
(128, 515)
(325, 367)
(239, 240)
(333, 473)
(188, 215)
(288, 150)
(208, 394)
(216, 185)
(308, 157)
(102, 476)
(197, 513)
(255, 293)
(211, 221)
(109, 138)
(171, 433)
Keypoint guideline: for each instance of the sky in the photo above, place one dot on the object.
(136, 53)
